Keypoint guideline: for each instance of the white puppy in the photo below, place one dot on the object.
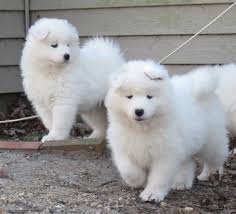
(60, 80)
(156, 125)
(226, 91)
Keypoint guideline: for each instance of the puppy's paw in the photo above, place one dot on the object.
(151, 196)
(205, 174)
(47, 138)
(180, 186)
(59, 135)
(203, 177)
(185, 176)
(52, 137)
(96, 135)
(135, 179)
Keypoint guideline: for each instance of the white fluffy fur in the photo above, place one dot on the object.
(226, 89)
(182, 118)
(58, 89)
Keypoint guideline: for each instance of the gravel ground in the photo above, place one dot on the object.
(82, 182)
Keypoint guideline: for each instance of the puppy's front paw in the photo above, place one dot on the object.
(135, 177)
(203, 177)
(151, 195)
(55, 136)
(179, 186)
(47, 137)
(96, 135)
(187, 183)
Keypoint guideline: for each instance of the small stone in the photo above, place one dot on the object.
(59, 206)
(107, 208)
(21, 194)
(94, 204)
(188, 209)
(163, 204)
(11, 200)
(3, 198)
(120, 199)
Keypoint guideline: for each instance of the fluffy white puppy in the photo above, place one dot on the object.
(226, 91)
(156, 125)
(60, 80)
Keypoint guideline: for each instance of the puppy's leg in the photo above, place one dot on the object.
(160, 179)
(45, 115)
(132, 174)
(205, 173)
(97, 120)
(209, 169)
(213, 154)
(63, 119)
(185, 176)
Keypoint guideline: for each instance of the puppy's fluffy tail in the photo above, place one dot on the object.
(102, 55)
(204, 83)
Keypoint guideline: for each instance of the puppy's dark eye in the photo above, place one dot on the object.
(130, 96)
(149, 97)
(68, 45)
(54, 45)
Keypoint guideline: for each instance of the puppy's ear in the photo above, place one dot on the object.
(39, 34)
(76, 40)
(116, 78)
(117, 83)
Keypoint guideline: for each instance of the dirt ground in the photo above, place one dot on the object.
(82, 182)
(87, 182)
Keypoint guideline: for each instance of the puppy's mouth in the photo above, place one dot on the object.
(63, 62)
(66, 62)
(139, 119)
(58, 63)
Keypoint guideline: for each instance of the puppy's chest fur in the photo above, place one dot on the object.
(42, 89)
(144, 147)
(140, 152)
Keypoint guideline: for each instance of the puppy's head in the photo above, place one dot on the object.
(53, 41)
(140, 92)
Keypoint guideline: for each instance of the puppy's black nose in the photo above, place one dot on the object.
(139, 112)
(67, 57)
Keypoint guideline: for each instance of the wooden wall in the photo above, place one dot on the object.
(143, 28)
(12, 32)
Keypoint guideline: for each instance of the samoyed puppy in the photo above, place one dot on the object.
(61, 80)
(226, 91)
(157, 124)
